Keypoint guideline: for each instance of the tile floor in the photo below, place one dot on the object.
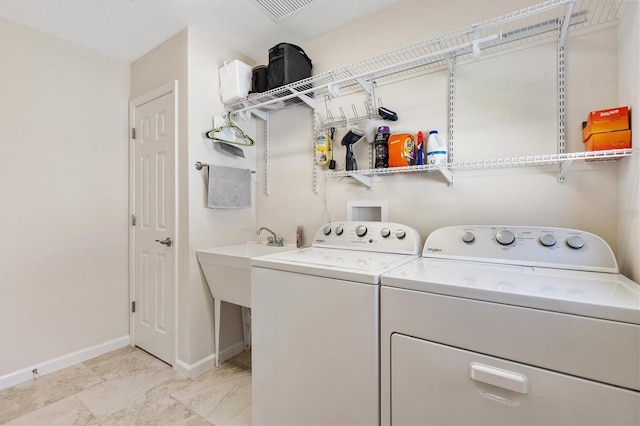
(129, 387)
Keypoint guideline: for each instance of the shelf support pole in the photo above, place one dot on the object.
(563, 25)
(267, 157)
(313, 139)
(452, 99)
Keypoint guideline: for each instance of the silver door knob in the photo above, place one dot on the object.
(167, 242)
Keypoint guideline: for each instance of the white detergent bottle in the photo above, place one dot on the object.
(436, 149)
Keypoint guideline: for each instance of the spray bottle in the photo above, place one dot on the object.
(436, 149)
(420, 149)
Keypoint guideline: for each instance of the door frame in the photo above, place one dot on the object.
(168, 88)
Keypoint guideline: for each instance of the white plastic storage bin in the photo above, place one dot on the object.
(235, 81)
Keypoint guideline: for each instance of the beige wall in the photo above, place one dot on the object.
(211, 227)
(628, 212)
(193, 60)
(505, 106)
(63, 195)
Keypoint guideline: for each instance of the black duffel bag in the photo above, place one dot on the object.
(287, 63)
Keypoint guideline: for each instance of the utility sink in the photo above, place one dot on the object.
(228, 269)
(228, 273)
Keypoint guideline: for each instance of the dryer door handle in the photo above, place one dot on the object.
(501, 378)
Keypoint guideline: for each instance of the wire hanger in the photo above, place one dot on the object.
(246, 139)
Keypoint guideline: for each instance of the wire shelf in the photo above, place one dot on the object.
(530, 160)
(525, 26)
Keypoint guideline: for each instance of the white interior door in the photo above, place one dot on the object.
(154, 249)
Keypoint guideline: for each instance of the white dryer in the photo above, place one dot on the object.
(315, 318)
(510, 325)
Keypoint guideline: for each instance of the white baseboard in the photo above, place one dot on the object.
(192, 370)
(64, 361)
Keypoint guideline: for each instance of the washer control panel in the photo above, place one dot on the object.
(387, 237)
(522, 245)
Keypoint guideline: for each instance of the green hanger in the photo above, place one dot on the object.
(247, 140)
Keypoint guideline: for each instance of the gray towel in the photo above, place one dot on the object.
(229, 188)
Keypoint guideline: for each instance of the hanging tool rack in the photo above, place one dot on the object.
(549, 20)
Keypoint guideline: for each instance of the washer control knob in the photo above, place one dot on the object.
(505, 237)
(385, 232)
(361, 230)
(339, 230)
(548, 240)
(575, 242)
(401, 233)
(468, 237)
(327, 230)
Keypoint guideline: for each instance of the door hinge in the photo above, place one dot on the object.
(133, 306)
(133, 220)
(133, 133)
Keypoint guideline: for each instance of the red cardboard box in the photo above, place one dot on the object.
(607, 129)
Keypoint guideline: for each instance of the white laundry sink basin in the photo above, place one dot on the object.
(228, 269)
(228, 274)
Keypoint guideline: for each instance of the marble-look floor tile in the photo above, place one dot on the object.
(166, 411)
(127, 387)
(219, 394)
(124, 362)
(68, 411)
(124, 392)
(34, 394)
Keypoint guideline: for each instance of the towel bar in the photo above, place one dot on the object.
(200, 165)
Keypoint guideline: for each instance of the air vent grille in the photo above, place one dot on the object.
(280, 9)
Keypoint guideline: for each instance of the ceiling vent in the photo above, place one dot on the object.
(280, 9)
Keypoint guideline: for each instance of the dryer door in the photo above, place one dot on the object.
(438, 384)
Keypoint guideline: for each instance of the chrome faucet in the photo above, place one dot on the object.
(273, 239)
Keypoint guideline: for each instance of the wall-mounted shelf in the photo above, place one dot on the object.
(565, 161)
(531, 24)
(549, 20)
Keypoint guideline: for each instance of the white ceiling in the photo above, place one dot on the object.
(127, 29)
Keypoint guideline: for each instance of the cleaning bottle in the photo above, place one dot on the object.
(420, 149)
(322, 149)
(299, 237)
(436, 149)
(380, 148)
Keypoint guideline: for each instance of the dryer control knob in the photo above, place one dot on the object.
(327, 230)
(339, 230)
(361, 230)
(468, 237)
(385, 232)
(401, 233)
(575, 242)
(548, 240)
(505, 237)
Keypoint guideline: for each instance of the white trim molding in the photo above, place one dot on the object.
(208, 362)
(61, 362)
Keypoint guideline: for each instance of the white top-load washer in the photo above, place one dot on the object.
(510, 325)
(315, 324)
